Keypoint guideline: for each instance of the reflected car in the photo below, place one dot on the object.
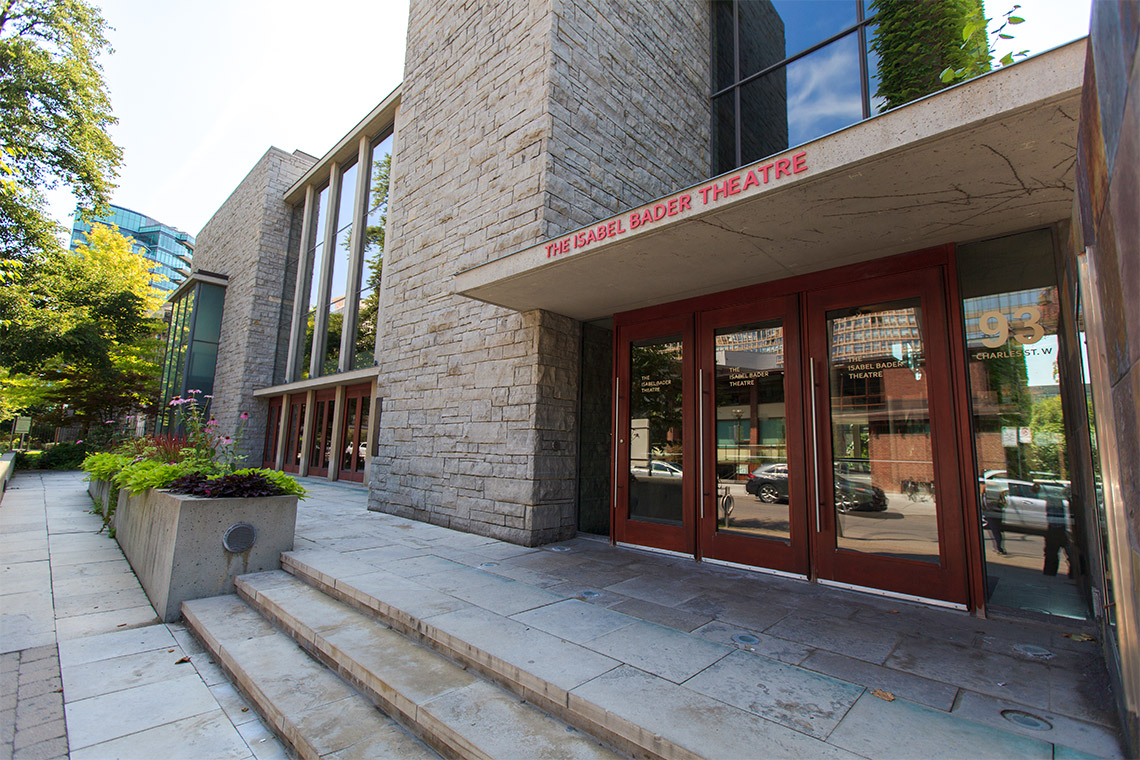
(1023, 507)
(769, 482)
(856, 496)
(658, 469)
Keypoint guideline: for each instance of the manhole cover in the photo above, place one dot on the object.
(239, 537)
(745, 638)
(1034, 651)
(1026, 720)
(488, 564)
(560, 548)
(590, 594)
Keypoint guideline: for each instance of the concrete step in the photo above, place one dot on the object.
(311, 708)
(620, 679)
(450, 708)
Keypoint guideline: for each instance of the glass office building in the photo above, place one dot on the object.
(168, 250)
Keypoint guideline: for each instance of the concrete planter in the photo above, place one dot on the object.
(177, 545)
(103, 492)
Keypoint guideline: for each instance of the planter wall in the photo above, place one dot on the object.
(174, 543)
(102, 492)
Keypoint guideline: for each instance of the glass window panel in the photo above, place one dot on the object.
(200, 369)
(362, 436)
(824, 91)
(375, 227)
(317, 246)
(349, 436)
(315, 443)
(1025, 493)
(882, 454)
(770, 32)
(724, 45)
(751, 433)
(655, 436)
(208, 321)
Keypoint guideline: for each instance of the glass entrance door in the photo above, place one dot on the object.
(886, 505)
(655, 471)
(753, 500)
(810, 433)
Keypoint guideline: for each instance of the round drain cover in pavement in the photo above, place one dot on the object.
(1026, 720)
(1034, 651)
(745, 638)
(589, 594)
(560, 548)
(488, 564)
(239, 537)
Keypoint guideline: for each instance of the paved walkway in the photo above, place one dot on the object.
(128, 690)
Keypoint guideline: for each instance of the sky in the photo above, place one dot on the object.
(202, 90)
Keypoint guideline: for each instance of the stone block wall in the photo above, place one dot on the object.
(252, 240)
(629, 106)
(500, 143)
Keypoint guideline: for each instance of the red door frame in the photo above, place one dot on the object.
(946, 580)
(295, 434)
(324, 407)
(272, 428)
(350, 430)
(676, 538)
(956, 541)
(736, 547)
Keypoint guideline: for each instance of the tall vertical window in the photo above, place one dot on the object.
(316, 257)
(340, 287)
(1030, 509)
(191, 343)
(375, 224)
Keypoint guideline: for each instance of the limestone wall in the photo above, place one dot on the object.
(252, 239)
(503, 138)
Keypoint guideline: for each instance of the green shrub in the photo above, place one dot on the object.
(55, 456)
(104, 466)
(140, 475)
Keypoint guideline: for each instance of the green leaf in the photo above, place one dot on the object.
(1006, 59)
(1006, 36)
(947, 75)
(1016, 20)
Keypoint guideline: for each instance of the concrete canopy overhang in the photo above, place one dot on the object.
(988, 157)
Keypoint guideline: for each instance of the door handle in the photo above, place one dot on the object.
(701, 441)
(814, 443)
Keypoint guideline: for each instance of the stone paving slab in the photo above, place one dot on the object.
(903, 730)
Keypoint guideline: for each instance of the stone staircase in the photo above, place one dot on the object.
(454, 678)
(317, 669)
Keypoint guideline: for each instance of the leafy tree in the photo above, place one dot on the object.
(1048, 424)
(917, 41)
(81, 334)
(56, 114)
(980, 46)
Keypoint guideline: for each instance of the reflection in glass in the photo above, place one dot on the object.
(1011, 311)
(655, 429)
(362, 434)
(316, 258)
(882, 457)
(339, 289)
(349, 443)
(751, 434)
(375, 225)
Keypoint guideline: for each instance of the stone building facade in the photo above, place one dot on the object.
(583, 211)
(252, 240)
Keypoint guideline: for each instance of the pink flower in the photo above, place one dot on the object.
(226, 441)
(207, 396)
(244, 415)
(79, 441)
(109, 422)
(194, 392)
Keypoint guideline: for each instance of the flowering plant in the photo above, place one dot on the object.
(207, 447)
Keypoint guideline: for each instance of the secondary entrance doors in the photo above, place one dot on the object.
(808, 432)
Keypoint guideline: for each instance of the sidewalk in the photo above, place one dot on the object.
(760, 639)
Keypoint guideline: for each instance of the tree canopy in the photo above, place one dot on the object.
(82, 333)
(56, 114)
